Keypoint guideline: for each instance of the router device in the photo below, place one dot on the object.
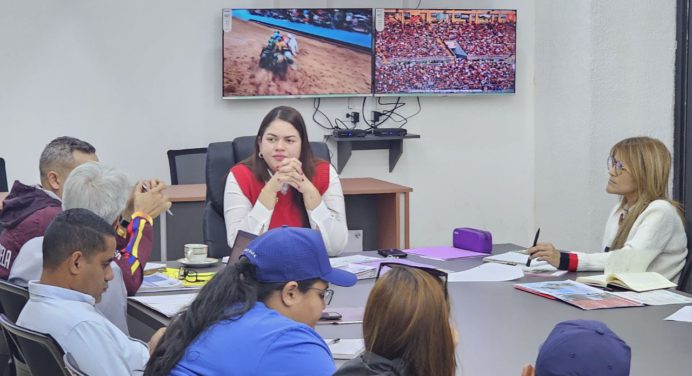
(389, 132)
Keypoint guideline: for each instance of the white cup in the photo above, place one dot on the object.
(196, 252)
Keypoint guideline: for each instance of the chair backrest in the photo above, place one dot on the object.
(72, 365)
(12, 299)
(221, 156)
(187, 165)
(3, 176)
(42, 353)
(685, 280)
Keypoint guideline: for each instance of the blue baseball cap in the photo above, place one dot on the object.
(583, 348)
(294, 254)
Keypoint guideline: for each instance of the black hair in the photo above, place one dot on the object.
(59, 151)
(74, 230)
(227, 296)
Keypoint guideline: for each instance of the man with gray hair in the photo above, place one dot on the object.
(104, 191)
(27, 210)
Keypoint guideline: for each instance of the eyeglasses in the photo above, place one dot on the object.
(617, 165)
(189, 275)
(439, 274)
(325, 294)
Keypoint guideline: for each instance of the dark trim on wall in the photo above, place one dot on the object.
(681, 117)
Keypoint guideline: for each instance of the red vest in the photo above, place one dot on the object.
(286, 211)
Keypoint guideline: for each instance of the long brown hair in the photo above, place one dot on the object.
(407, 318)
(648, 161)
(290, 115)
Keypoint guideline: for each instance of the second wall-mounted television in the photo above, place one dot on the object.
(274, 53)
(445, 51)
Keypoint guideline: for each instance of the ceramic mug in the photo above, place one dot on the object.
(196, 252)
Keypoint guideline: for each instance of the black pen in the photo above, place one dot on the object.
(535, 240)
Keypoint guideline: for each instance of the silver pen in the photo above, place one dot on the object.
(146, 189)
(284, 186)
(333, 341)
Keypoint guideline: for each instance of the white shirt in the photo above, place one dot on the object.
(656, 243)
(69, 316)
(28, 267)
(329, 216)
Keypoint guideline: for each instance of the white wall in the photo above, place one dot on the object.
(605, 71)
(139, 78)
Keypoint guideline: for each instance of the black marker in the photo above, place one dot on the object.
(535, 240)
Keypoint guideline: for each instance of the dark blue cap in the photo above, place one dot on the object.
(294, 254)
(583, 348)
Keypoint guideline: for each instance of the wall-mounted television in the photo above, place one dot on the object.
(445, 51)
(273, 53)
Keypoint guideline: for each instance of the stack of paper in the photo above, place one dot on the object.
(361, 271)
(159, 282)
(513, 258)
(343, 348)
(167, 305)
(352, 264)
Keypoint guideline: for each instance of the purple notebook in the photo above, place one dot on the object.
(443, 253)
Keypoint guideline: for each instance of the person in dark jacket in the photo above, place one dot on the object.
(406, 328)
(28, 210)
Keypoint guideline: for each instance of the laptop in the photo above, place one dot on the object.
(242, 239)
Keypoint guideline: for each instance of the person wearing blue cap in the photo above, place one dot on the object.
(257, 316)
(581, 348)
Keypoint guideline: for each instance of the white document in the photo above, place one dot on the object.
(345, 348)
(513, 258)
(684, 314)
(655, 297)
(490, 272)
(338, 262)
(168, 305)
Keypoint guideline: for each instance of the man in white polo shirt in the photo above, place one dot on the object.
(77, 254)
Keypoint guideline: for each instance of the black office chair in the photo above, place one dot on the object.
(42, 354)
(12, 299)
(72, 365)
(3, 176)
(187, 165)
(221, 156)
(685, 281)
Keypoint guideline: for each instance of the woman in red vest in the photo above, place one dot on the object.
(282, 184)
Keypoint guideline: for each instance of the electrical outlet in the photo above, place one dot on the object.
(354, 116)
(376, 116)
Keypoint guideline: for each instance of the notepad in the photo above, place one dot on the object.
(642, 281)
(345, 348)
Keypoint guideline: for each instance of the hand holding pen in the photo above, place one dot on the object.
(545, 252)
(149, 198)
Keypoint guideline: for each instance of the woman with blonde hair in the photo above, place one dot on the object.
(645, 230)
(406, 327)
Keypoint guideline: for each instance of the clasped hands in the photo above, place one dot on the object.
(290, 172)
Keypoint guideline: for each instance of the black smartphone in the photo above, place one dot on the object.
(330, 316)
(392, 252)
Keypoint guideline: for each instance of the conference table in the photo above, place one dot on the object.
(501, 328)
